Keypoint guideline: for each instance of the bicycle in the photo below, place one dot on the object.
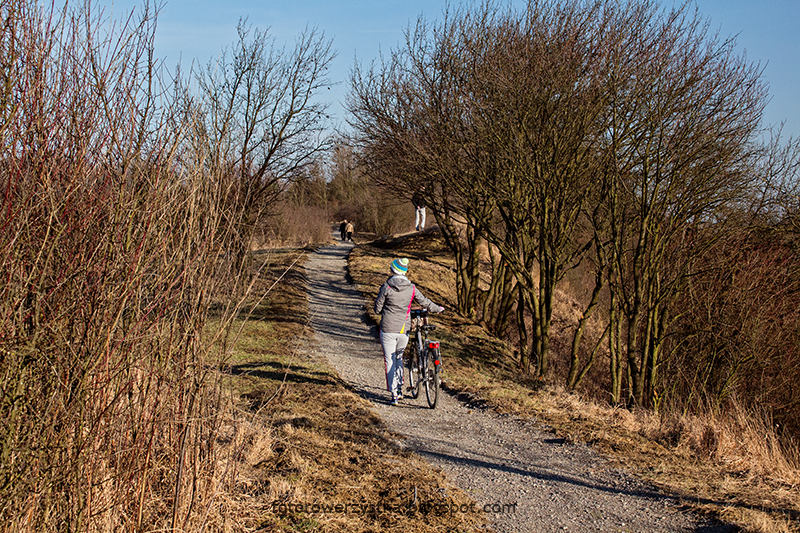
(425, 360)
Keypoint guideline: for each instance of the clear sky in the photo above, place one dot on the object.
(766, 30)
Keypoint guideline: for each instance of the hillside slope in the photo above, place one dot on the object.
(670, 452)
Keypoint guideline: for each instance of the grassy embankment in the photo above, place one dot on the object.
(732, 468)
(303, 439)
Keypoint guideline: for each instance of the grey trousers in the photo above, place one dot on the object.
(393, 345)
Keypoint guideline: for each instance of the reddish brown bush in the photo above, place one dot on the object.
(109, 258)
(740, 329)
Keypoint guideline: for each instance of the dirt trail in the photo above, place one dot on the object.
(524, 478)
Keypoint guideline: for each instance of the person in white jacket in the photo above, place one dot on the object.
(394, 305)
(419, 209)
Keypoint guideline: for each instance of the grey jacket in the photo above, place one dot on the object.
(394, 301)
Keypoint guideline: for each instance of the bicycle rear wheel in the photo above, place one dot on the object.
(413, 372)
(431, 378)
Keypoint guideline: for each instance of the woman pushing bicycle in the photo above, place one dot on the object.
(394, 305)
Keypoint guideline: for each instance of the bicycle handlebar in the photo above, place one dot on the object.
(421, 313)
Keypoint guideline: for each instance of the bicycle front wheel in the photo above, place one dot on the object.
(431, 378)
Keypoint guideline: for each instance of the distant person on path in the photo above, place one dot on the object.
(419, 207)
(394, 305)
(348, 231)
(342, 228)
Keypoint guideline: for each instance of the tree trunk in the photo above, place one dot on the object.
(574, 364)
(467, 258)
(617, 365)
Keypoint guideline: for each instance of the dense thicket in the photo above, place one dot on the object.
(620, 139)
(119, 207)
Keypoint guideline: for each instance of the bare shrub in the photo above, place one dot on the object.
(296, 225)
(109, 254)
(385, 217)
(739, 329)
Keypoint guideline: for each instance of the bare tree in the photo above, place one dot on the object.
(619, 134)
(408, 116)
(682, 116)
(542, 111)
(495, 114)
(261, 117)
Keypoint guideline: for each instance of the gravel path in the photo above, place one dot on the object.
(525, 478)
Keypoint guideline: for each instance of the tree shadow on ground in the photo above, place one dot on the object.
(274, 371)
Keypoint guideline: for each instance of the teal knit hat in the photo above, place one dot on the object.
(400, 266)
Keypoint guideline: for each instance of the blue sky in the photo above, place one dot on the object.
(767, 32)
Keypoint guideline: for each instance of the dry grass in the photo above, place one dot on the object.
(730, 466)
(309, 454)
(293, 225)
